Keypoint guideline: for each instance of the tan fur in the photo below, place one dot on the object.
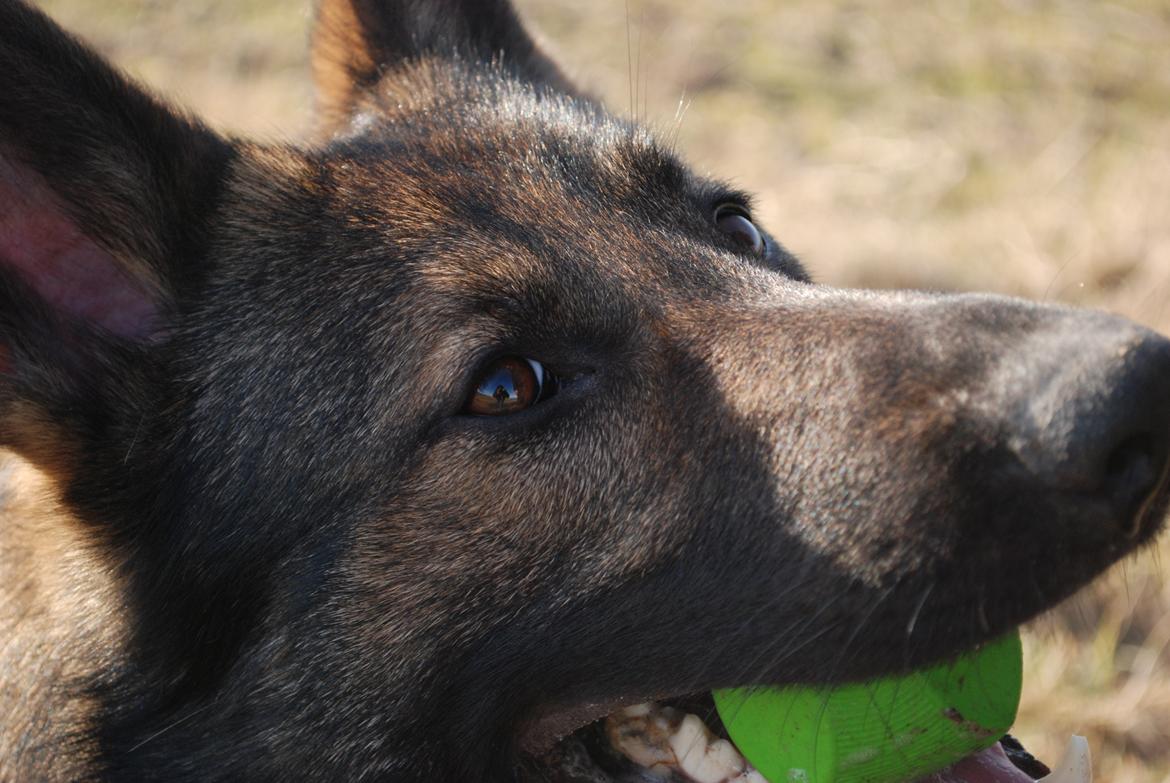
(40, 439)
(340, 56)
(63, 602)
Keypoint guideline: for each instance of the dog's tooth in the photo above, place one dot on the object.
(663, 740)
(644, 750)
(642, 734)
(689, 743)
(702, 756)
(691, 736)
(1076, 766)
(726, 755)
(646, 756)
(716, 763)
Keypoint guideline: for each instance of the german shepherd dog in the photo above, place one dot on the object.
(413, 453)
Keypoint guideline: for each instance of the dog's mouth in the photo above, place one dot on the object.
(683, 740)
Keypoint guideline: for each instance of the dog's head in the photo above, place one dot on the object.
(424, 446)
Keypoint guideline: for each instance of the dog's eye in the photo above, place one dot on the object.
(510, 385)
(733, 220)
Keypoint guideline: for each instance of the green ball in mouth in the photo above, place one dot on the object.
(881, 731)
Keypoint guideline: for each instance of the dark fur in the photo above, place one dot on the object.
(270, 546)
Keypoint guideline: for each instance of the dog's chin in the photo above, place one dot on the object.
(682, 740)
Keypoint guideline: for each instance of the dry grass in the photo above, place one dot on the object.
(1020, 146)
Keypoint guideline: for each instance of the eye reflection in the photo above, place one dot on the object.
(509, 386)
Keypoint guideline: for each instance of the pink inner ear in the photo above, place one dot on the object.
(74, 275)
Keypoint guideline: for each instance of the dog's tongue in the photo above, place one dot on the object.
(986, 766)
(993, 766)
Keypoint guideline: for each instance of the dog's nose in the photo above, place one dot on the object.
(1094, 420)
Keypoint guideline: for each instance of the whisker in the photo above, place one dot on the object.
(630, 64)
(169, 727)
(918, 610)
(638, 114)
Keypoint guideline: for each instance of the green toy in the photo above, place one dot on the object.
(883, 731)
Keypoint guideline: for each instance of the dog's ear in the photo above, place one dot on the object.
(356, 43)
(105, 196)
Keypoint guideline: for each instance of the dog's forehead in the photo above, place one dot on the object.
(520, 152)
(515, 185)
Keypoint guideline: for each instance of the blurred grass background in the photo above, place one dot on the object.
(1018, 146)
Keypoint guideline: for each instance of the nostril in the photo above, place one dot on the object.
(1130, 466)
(1134, 471)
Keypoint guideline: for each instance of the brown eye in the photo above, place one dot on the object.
(510, 385)
(734, 221)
